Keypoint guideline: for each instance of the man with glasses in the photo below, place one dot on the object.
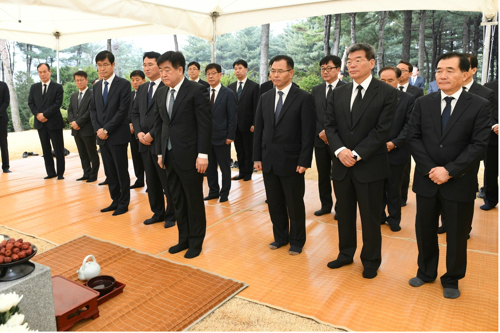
(357, 123)
(109, 109)
(81, 128)
(223, 102)
(330, 68)
(282, 150)
(194, 73)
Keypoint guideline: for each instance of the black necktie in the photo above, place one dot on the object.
(105, 92)
(329, 93)
(464, 88)
(150, 93)
(357, 101)
(240, 89)
(212, 98)
(402, 88)
(278, 107)
(446, 113)
(44, 90)
(80, 99)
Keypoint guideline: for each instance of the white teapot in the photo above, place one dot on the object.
(89, 269)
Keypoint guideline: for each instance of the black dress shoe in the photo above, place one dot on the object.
(335, 216)
(338, 263)
(192, 253)
(109, 208)
(60, 177)
(322, 211)
(91, 179)
(25, 154)
(50, 177)
(105, 182)
(120, 211)
(441, 230)
(169, 224)
(237, 177)
(369, 273)
(137, 185)
(210, 197)
(178, 248)
(6, 171)
(82, 178)
(395, 227)
(275, 245)
(403, 203)
(247, 178)
(223, 199)
(486, 206)
(152, 220)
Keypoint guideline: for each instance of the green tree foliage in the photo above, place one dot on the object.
(23, 84)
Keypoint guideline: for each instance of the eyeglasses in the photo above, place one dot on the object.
(79, 81)
(404, 71)
(327, 69)
(357, 62)
(103, 65)
(279, 71)
(212, 74)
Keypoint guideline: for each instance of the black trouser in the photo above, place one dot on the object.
(4, 147)
(56, 137)
(324, 166)
(405, 184)
(491, 175)
(219, 155)
(243, 142)
(115, 160)
(137, 159)
(89, 158)
(392, 195)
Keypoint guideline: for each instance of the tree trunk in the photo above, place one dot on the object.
(176, 44)
(336, 35)
(380, 49)
(79, 55)
(326, 35)
(109, 45)
(29, 58)
(465, 35)
(344, 59)
(421, 41)
(353, 28)
(494, 56)
(405, 52)
(427, 69)
(264, 52)
(14, 106)
(477, 31)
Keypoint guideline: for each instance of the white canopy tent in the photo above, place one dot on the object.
(60, 24)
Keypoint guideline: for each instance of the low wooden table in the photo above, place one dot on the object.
(72, 302)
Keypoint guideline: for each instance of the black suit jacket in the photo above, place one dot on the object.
(459, 149)
(368, 132)
(143, 117)
(50, 106)
(247, 104)
(113, 116)
(493, 85)
(81, 114)
(204, 83)
(401, 154)
(320, 103)
(288, 143)
(223, 117)
(4, 102)
(266, 86)
(189, 129)
(415, 91)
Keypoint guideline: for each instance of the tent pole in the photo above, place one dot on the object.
(487, 46)
(57, 34)
(214, 16)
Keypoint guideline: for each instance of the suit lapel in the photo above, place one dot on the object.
(111, 92)
(84, 98)
(219, 97)
(292, 94)
(98, 94)
(370, 93)
(153, 98)
(436, 116)
(179, 97)
(462, 104)
(346, 102)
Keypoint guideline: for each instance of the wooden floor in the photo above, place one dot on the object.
(236, 246)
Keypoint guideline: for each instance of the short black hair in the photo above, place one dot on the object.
(369, 51)
(43, 63)
(175, 58)
(472, 59)
(80, 73)
(217, 67)
(463, 62)
(391, 68)
(289, 60)
(240, 62)
(410, 66)
(103, 55)
(138, 72)
(336, 60)
(196, 63)
(150, 55)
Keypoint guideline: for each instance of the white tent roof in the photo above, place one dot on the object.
(82, 21)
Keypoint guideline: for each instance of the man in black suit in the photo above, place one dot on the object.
(268, 85)
(4, 121)
(399, 154)
(45, 100)
(194, 73)
(330, 68)
(491, 157)
(109, 110)
(357, 123)
(283, 145)
(223, 103)
(247, 97)
(137, 78)
(447, 135)
(404, 85)
(82, 129)
(143, 118)
(183, 130)
(416, 80)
